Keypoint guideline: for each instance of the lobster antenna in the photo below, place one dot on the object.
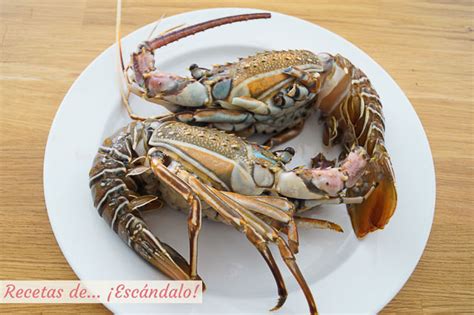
(118, 39)
(178, 34)
(121, 66)
(156, 26)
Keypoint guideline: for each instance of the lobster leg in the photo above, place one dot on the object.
(225, 119)
(277, 208)
(230, 120)
(317, 223)
(146, 203)
(285, 135)
(340, 199)
(215, 115)
(232, 217)
(251, 104)
(259, 242)
(269, 207)
(246, 221)
(133, 230)
(195, 213)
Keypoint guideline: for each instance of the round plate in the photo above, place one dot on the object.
(345, 274)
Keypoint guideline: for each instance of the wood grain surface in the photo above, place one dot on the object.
(427, 47)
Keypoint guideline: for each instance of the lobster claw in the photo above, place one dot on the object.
(375, 212)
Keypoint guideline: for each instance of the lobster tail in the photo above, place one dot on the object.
(356, 119)
(375, 212)
(113, 181)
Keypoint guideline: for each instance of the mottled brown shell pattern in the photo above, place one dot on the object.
(266, 62)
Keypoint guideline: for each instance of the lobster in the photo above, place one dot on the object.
(274, 92)
(209, 173)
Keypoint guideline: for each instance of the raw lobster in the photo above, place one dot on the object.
(274, 92)
(207, 172)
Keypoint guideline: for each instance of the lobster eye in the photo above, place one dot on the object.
(196, 72)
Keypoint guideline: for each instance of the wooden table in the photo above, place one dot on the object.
(427, 46)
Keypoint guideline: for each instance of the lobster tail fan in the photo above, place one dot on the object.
(375, 212)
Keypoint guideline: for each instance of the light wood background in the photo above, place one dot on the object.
(427, 46)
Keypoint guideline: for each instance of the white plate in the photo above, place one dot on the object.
(345, 274)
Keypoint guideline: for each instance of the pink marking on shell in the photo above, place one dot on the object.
(142, 63)
(354, 165)
(329, 180)
(159, 82)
